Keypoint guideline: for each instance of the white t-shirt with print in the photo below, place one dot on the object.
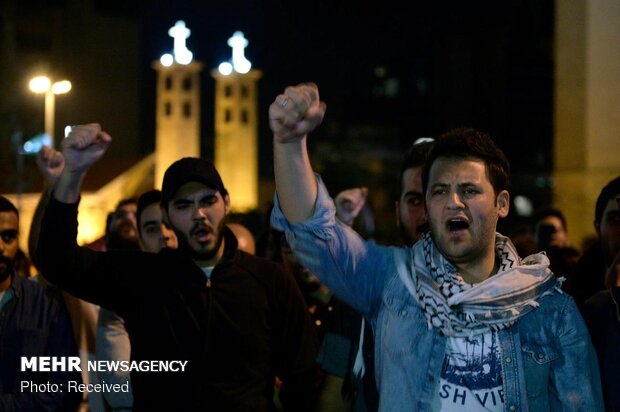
(471, 375)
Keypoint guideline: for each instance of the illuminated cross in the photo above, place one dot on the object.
(180, 33)
(238, 43)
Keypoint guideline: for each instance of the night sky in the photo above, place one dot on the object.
(387, 75)
(407, 73)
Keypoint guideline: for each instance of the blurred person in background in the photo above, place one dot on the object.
(602, 311)
(34, 323)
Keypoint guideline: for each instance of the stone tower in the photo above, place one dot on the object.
(236, 126)
(177, 112)
(587, 100)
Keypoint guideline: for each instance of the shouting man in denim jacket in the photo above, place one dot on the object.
(461, 322)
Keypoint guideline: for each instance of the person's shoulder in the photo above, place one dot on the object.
(553, 301)
(255, 263)
(558, 297)
(601, 298)
(265, 271)
(37, 293)
(554, 311)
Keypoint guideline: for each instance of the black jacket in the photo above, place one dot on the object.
(249, 326)
(588, 276)
(35, 323)
(602, 315)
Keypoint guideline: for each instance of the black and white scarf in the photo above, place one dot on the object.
(461, 309)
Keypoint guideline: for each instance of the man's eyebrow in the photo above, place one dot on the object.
(413, 193)
(150, 223)
(181, 200)
(468, 184)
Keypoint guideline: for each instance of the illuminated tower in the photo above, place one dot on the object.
(587, 98)
(177, 112)
(236, 126)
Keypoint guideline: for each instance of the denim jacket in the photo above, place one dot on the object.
(548, 362)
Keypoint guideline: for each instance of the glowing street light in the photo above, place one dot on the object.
(42, 84)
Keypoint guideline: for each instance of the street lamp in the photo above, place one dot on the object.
(42, 84)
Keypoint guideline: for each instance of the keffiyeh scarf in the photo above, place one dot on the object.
(460, 309)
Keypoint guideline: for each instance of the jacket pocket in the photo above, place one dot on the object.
(537, 364)
(403, 326)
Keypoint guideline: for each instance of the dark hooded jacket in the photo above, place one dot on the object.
(240, 331)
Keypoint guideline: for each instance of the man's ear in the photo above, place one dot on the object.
(227, 203)
(503, 203)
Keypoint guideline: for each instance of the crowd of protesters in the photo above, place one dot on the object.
(320, 318)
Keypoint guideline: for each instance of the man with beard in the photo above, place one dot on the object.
(122, 229)
(460, 321)
(238, 321)
(33, 323)
(121, 232)
(601, 311)
(591, 272)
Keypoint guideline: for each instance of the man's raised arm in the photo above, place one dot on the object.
(293, 115)
(81, 149)
(57, 252)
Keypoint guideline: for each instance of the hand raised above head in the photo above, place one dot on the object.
(51, 163)
(84, 146)
(296, 112)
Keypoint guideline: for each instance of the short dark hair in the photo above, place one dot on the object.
(7, 206)
(145, 200)
(549, 211)
(415, 157)
(464, 143)
(127, 201)
(610, 190)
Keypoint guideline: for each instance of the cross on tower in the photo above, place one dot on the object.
(238, 43)
(180, 51)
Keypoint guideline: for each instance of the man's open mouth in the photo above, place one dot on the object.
(457, 224)
(202, 234)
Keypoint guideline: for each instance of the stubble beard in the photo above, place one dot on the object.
(186, 248)
(8, 269)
